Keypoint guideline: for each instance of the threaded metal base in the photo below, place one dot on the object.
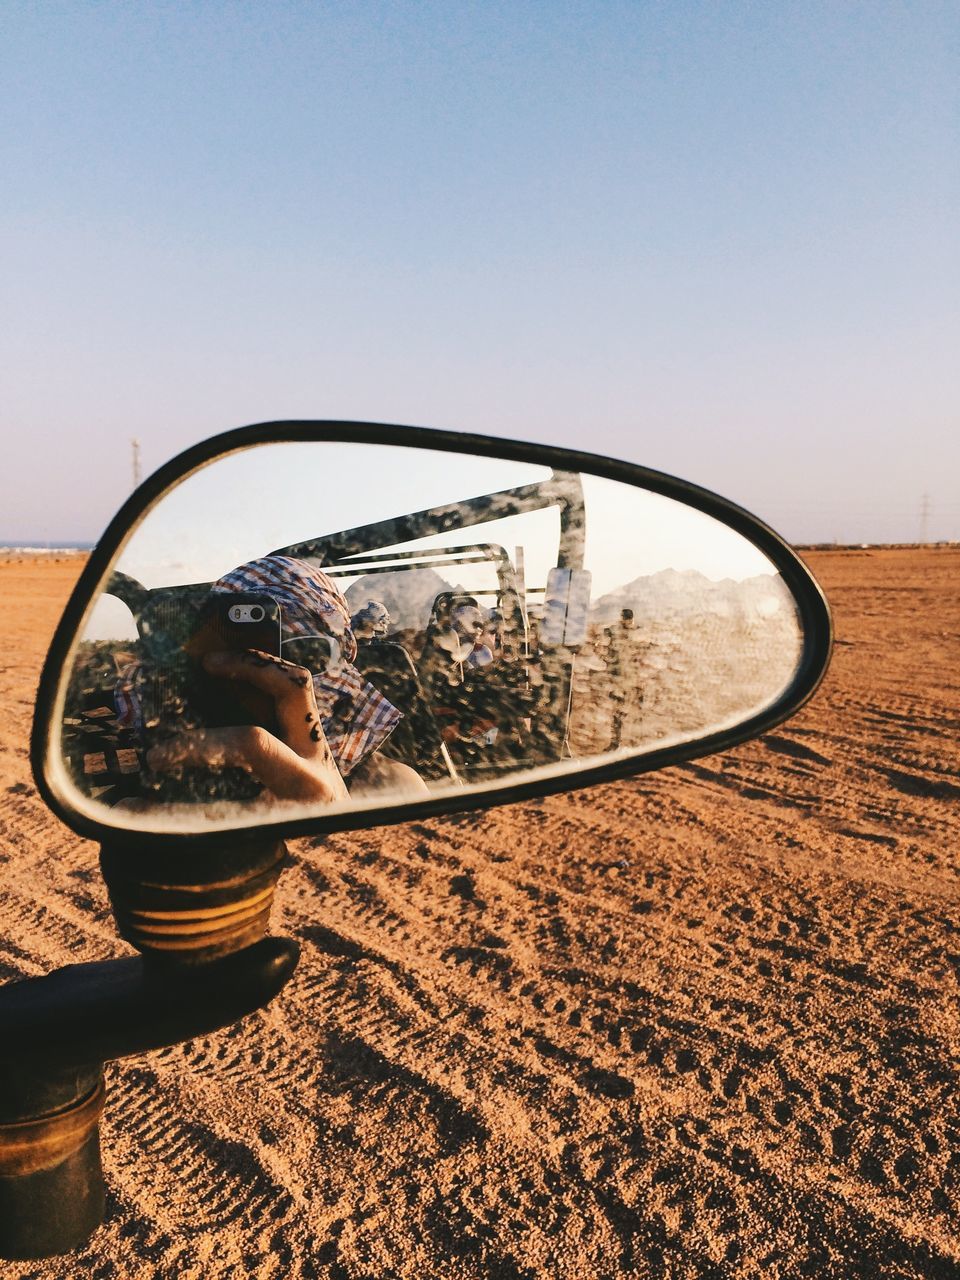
(192, 909)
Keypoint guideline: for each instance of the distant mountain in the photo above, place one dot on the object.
(674, 593)
(407, 593)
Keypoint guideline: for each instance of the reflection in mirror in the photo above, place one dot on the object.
(302, 627)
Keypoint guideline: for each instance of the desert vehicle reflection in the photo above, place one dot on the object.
(429, 656)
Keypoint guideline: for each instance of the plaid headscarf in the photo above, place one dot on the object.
(356, 717)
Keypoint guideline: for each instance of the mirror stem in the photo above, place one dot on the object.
(199, 921)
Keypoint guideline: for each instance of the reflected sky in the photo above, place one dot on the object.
(252, 502)
(243, 506)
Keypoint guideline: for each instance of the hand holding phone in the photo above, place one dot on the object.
(293, 762)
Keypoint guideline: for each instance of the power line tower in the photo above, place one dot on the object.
(137, 476)
(924, 517)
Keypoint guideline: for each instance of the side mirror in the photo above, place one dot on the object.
(545, 619)
(305, 627)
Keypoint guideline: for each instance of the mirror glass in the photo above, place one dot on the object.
(302, 627)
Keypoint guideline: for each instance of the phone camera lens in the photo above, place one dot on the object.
(256, 613)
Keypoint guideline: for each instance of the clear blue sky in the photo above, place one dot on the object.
(718, 239)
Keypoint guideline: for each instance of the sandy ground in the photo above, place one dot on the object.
(702, 1023)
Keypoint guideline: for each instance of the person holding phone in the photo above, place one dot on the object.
(327, 724)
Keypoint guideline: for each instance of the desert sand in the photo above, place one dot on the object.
(701, 1023)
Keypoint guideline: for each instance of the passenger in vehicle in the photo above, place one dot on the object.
(330, 721)
(371, 623)
(469, 624)
(625, 691)
(480, 696)
(455, 641)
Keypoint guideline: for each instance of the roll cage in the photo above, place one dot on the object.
(535, 698)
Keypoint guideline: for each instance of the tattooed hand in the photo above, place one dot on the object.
(297, 765)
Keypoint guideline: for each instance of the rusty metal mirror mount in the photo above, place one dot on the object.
(199, 920)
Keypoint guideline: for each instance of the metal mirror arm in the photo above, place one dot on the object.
(199, 924)
(59, 1031)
